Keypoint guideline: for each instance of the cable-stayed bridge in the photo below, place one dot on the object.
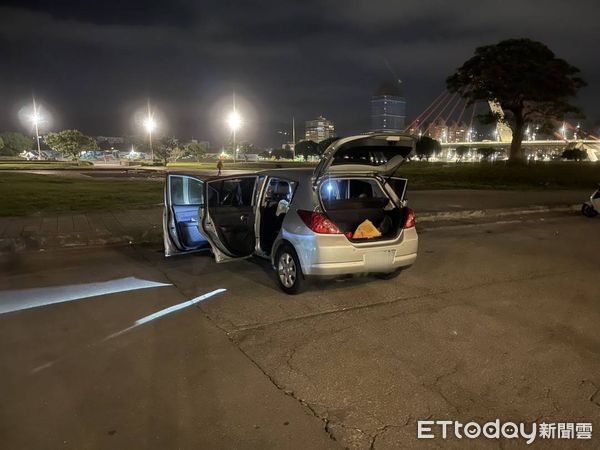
(449, 119)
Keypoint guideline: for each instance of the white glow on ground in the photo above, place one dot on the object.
(18, 300)
(169, 310)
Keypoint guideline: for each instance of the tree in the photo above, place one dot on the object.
(486, 153)
(246, 149)
(279, 153)
(196, 150)
(574, 154)
(322, 146)
(166, 149)
(461, 151)
(70, 143)
(426, 147)
(14, 143)
(307, 148)
(1, 144)
(525, 78)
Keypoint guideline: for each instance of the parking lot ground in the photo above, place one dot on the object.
(494, 321)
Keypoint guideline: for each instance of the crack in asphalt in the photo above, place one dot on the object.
(595, 396)
(292, 394)
(328, 424)
(382, 430)
(434, 387)
(257, 326)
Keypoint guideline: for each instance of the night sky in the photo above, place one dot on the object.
(93, 65)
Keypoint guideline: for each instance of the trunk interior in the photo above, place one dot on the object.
(350, 201)
(348, 214)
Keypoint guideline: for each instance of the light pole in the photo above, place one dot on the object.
(234, 121)
(150, 125)
(36, 118)
(293, 138)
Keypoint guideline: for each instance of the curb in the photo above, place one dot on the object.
(74, 240)
(493, 213)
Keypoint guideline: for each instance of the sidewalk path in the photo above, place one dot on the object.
(80, 229)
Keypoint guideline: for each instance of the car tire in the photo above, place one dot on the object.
(388, 275)
(588, 210)
(288, 271)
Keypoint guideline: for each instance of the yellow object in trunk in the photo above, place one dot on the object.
(366, 230)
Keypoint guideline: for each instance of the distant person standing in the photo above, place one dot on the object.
(219, 166)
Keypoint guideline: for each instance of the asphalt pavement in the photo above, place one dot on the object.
(495, 320)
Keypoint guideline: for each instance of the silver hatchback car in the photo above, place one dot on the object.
(304, 220)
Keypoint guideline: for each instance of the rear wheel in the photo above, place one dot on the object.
(289, 273)
(388, 275)
(588, 210)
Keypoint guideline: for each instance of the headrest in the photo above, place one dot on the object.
(282, 188)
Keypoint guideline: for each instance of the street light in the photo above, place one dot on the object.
(234, 121)
(36, 118)
(150, 125)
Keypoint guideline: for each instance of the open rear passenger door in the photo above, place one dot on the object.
(229, 216)
(399, 186)
(183, 202)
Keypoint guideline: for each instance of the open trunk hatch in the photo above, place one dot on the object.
(375, 154)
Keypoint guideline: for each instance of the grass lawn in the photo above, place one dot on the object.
(421, 175)
(535, 176)
(35, 165)
(24, 194)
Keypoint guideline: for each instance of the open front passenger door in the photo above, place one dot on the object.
(229, 216)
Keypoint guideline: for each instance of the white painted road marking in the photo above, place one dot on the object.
(17, 300)
(164, 312)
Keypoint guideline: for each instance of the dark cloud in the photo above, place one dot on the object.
(96, 63)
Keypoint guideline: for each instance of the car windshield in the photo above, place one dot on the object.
(368, 155)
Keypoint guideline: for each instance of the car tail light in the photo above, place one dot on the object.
(409, 220)
(318, 223)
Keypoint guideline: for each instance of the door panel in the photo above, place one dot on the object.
(184, 198)
(230, 216)
(399, 186)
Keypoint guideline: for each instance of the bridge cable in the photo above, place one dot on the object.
(436, 102)
(462, 112)
(440, 113)
(472, 116)
(449, 116)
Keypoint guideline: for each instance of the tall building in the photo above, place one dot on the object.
(458, 132)
(319, 129)
(438, 130)
(388, 108)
